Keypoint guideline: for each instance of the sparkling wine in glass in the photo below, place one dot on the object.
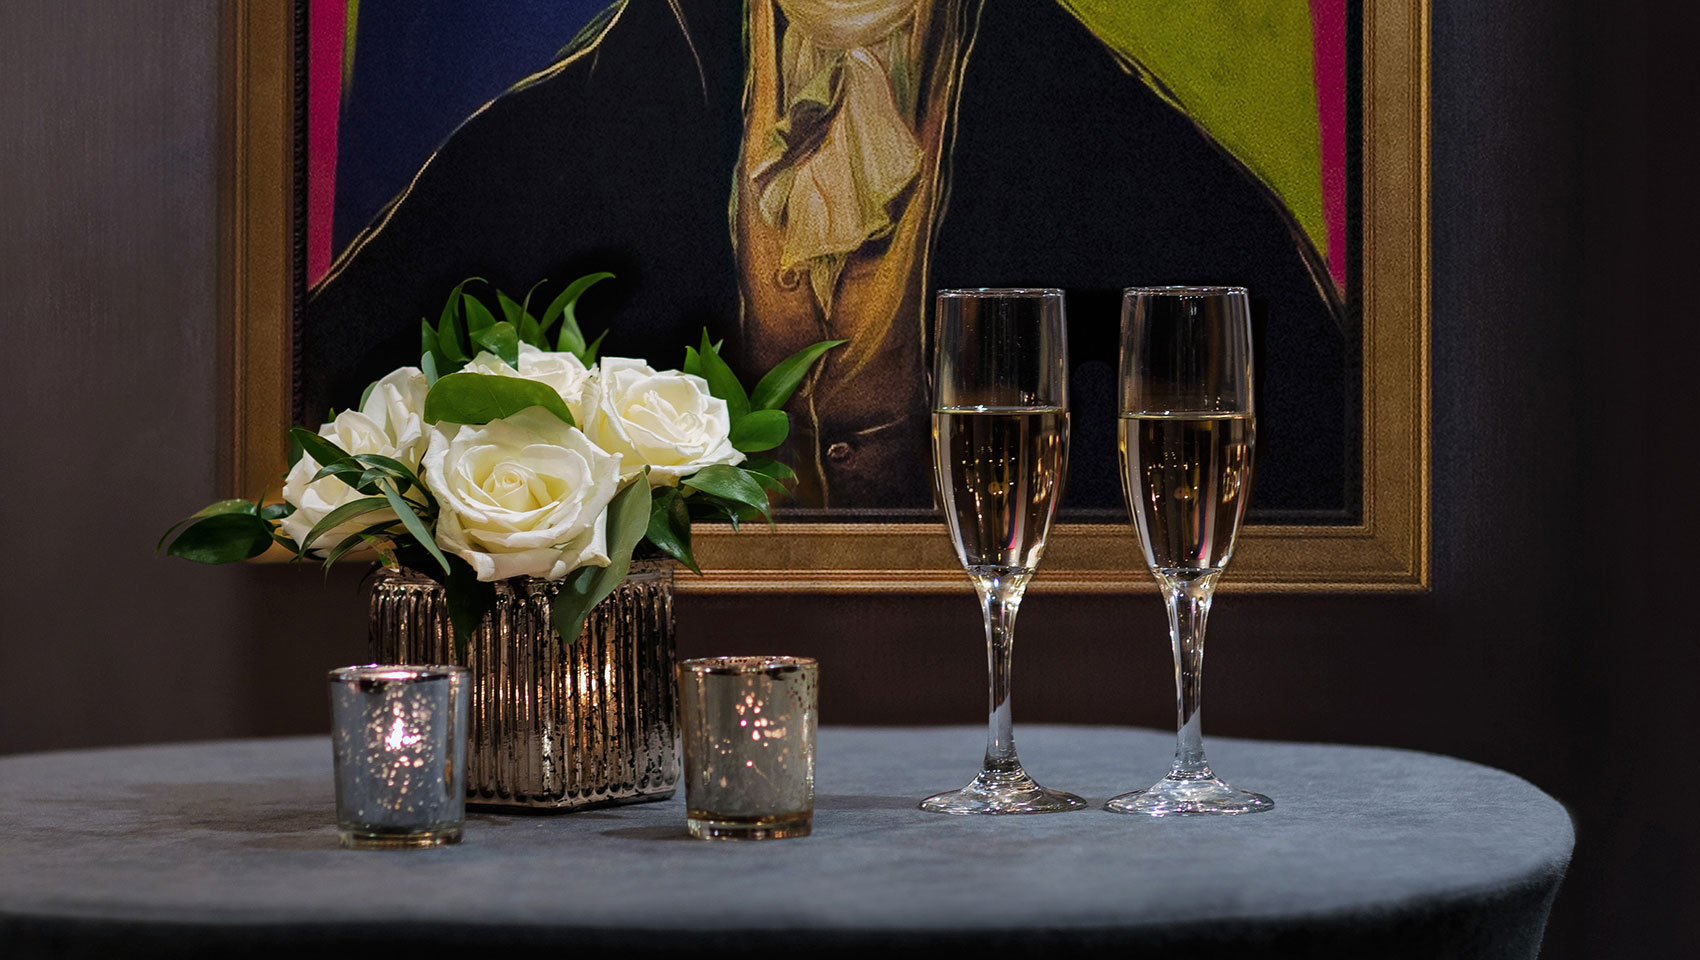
(1000, 450)
(1187, 434)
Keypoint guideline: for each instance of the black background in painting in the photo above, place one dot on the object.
(1067, 171)
(460, 54)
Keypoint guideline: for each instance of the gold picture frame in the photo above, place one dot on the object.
(1387, 551)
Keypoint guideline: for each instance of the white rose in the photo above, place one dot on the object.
(564, 373)
(667, 420)
(388, 423)
(523, 496)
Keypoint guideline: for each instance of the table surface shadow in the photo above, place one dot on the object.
(211, 842)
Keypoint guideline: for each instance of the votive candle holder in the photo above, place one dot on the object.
(399, 739)
(748, 725)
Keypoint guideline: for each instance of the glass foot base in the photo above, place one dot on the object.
(1189, 797)
(368, 838)
(708, 826)
(1003, 793)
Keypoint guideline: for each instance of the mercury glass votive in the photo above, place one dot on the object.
(399, 736)
(748, 725)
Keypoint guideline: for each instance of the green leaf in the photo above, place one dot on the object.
(768, 467)
(449, 328)
(429, 351)
(729, 483)
(339, 516)
(628, 521)
(772, 484)
(760, 430)
(571, 340)
(452, 304)
(223, 538)
(722, 382)
(323, 451)
(220, 508)
(693, 363)
(449, 341)
(525, 306)
(470, 600)
(366, 395)
(707, 507)
(746, 514)
(511, 310)
(364, 535)
(502, 340)
(530, 331)
(411, 521)
(565, 307)
(478, 316)
(670, 527)
(569, 297)
(474, 398)
(370, 476)
(348, 472)
(590, 352)
(276, 511)
(782, 381)
(395, 467)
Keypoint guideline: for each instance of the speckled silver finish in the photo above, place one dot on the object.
(398, 735)
(554, 726)
(749, 732)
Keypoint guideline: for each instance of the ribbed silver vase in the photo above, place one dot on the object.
(554, 726)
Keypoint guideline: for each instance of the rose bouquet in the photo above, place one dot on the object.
(514, 450)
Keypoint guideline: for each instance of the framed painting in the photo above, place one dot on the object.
(782, 171)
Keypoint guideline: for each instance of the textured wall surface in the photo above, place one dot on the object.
(1541, 649)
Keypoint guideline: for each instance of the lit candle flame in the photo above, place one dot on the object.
(400, 736)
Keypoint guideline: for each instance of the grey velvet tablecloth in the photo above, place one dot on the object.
(218, 847)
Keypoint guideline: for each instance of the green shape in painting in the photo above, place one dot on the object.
(1241, 69)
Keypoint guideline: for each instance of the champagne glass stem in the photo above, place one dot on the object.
(1000, 599)
(1188, 600)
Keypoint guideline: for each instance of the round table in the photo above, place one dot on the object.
(230, 846)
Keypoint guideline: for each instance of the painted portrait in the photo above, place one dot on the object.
(786, 171)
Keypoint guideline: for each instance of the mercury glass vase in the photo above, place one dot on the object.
(560, 726)
(398, 735)
(749, 732)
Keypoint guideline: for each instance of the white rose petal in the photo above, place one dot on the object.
(666, 420)
(561, 372)
(389, 424)
(524, 496)
(397, 402)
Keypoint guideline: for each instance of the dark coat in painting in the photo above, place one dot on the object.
(1066, 171)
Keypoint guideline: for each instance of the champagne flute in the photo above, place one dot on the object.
(1187, 434)
(1000, 449)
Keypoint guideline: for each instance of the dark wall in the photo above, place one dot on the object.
(1546, 646)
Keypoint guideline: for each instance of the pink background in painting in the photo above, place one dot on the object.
(325, 22)
(1328, 37)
